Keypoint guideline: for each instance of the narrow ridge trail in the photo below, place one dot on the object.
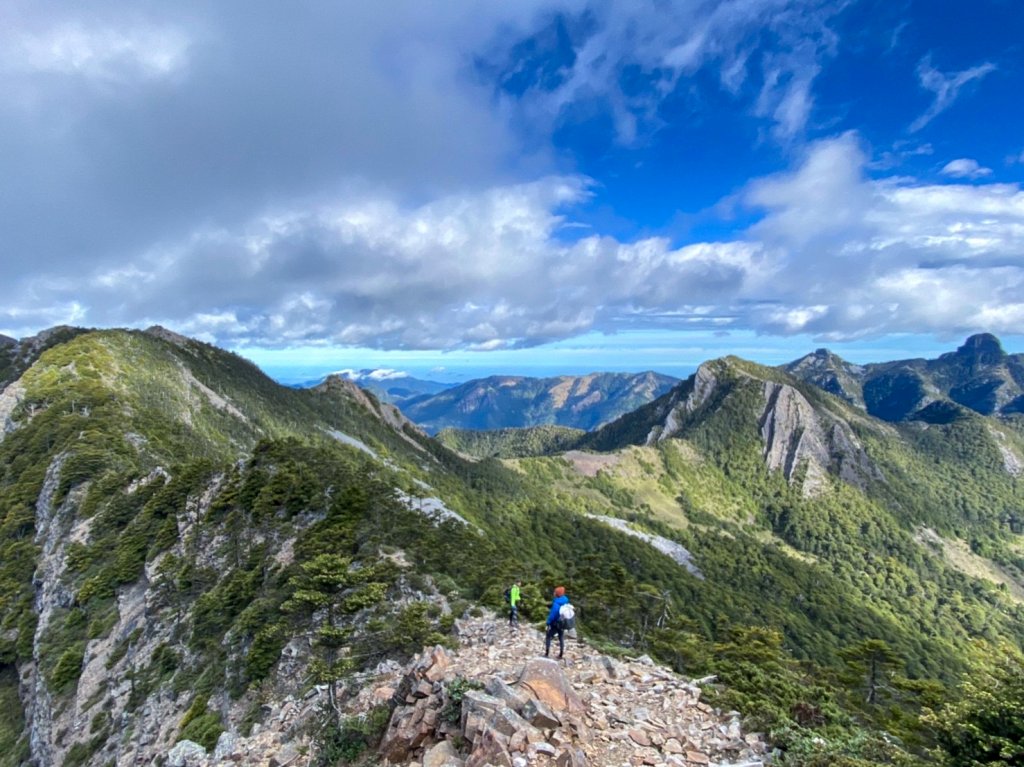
(496, 701)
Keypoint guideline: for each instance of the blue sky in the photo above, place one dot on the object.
(467, 187)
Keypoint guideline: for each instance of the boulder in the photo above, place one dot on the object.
(490, 749)
(439, 662)
(406, 732)
(537, 713)
(499, 688)
(186, 754)
(226, 745)
(574, 757)
(442, 754)
(544, 680)
(477, 708)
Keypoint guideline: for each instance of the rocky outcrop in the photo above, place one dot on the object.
(793, 436)
(494, 701)
(1012, 461)
(702, 387)
(52, 525)
(671, 549)
(336, 385)
(10, 397)
(796, 436)
(588, 710)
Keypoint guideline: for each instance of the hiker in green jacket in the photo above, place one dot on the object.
(514, 596)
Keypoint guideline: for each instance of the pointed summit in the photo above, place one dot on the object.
(830, 372)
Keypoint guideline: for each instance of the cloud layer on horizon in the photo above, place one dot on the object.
(835, 254)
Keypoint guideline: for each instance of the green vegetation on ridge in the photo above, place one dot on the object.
(253, 525)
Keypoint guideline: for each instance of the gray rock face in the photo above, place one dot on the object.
(52, 526)
(670, 548)
(704, 383)
(186, 754)
(796, 435)
(792, 435)
(10, 398)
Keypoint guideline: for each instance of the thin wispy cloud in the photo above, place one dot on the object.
(630, 57)
(946, 87)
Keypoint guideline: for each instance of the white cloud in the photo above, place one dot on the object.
(893, 256)
(946, 87)
(93, 51)
(835, 254)
(367, 187)
(965, 167)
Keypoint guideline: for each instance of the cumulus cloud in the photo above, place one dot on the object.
(965, 167)
(861, 257)
(121, 129)
(479, 271)
(946, 87)
(835, 253)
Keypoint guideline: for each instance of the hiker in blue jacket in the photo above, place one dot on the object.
(554, 623)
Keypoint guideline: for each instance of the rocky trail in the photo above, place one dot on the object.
(518, 709)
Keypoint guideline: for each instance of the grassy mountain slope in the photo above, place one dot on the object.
(17, 356)
(510, 443)
(499, 402)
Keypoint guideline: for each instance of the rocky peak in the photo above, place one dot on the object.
(158, 331)
(981, 349)
(388, 413)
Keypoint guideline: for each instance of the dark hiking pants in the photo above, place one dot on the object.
(554, 628)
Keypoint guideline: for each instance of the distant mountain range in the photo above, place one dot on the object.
(978, 376)
(392, 386)
(497, 402)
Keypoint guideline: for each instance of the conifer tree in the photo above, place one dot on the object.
(326, 588)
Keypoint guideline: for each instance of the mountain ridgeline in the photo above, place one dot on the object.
(185, 545)
(499, 402)
(386, 385)
(979, 376)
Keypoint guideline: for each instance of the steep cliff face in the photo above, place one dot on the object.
(796, 435)
(681, 401)
(53, 523)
